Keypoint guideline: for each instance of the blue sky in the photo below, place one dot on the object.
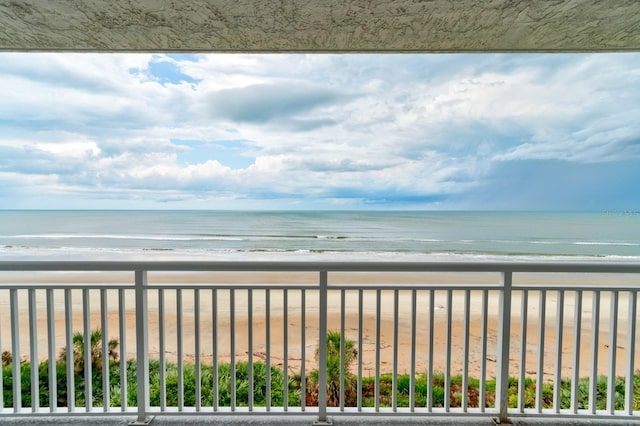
(223, 131)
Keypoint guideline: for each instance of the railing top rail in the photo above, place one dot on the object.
(314, 266)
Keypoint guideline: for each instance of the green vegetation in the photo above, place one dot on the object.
(333, 372)
(171, 380)
(293, 387)
(95, 349)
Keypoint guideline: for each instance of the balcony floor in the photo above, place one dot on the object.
(300, 420)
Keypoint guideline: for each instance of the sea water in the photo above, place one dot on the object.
(318, 235)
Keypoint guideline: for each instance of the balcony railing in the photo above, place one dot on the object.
(532, 339)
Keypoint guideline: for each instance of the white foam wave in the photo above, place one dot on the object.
(604, 243)
(126, 237)
(102, 253)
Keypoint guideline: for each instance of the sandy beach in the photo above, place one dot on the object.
(294, 341)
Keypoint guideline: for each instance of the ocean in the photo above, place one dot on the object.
(317, 235)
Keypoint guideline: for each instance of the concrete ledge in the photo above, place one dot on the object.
(320, 26)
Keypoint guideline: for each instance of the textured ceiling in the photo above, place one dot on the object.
(320, 25)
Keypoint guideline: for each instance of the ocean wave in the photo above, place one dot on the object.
(125, 237)
(604, 243)
(203, 237)
(547, 242)
(279, 254)
(586, 243)
(277, 237)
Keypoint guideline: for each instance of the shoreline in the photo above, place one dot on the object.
(294, 331)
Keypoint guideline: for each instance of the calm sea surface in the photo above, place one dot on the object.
(235, 235)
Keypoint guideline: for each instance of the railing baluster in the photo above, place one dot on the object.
(631, 351)
(394, 379)
(378, 344)
(1, 366)
(559, 330)
(162, 356)
(613, 341)
(575, 377)
(523, 348)
(33, 351)
(105, 351)
(88, 388)
(15, 349)
(196, 330)
(360, 337)
(285, 356)
(2, 293)
(250, 346)
(1, 373)
(483, 350)
(214, 355)
(68, 322)
(232, 346)
(465, 362)
(412, 379)
(542, 302)
(123, 350)
(447, 362)
(267, 310)
(179, 349)
(51, 337)
(342, 354)
(303, 357)
(430, 354)
(504, 333)
(595, 334)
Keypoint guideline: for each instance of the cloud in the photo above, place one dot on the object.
(345, 165)
(429, 131)
(557, 185)
(267, 102)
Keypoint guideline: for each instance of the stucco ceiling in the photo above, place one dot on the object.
(320, 25)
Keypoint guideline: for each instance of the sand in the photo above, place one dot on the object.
(295, 343)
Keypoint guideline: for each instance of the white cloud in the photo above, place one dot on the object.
(320, 127)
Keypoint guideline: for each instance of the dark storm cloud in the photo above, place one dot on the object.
(263, 103)
(559, 185)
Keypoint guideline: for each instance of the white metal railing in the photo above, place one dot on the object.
(507, 325)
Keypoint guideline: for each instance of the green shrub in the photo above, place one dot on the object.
(438, 396)
(279, 387)
(207, 386)
(456, 380)
(438, 379)
(404, 384)
(421, 390)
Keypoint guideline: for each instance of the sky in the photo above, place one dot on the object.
(320, 131)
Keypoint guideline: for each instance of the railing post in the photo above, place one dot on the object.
(142, 345)
(322, 353)
(504, 332)
(15, 347)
